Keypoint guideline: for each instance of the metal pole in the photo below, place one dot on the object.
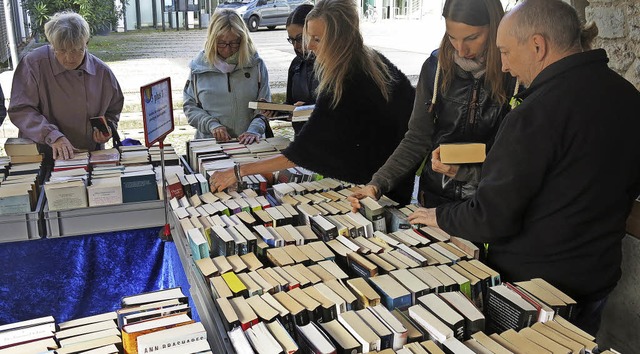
(12, 40)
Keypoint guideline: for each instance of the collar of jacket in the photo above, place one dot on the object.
(88, 64)
(563, 65)
(199, 65)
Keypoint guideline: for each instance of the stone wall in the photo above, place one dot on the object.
(619, 34)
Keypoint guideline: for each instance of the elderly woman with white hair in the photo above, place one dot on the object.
(58, 87)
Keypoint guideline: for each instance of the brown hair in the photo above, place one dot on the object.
(475, 13)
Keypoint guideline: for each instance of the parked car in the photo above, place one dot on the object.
(263, 13)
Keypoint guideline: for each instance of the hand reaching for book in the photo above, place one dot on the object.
(367, 191)
(424, 216)
(221, 134)
(222, 179)
(62, 149)
(248, 138)
(438, 166)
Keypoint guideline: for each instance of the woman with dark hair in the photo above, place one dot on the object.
(301, 81)
(361, 114)
(461, 96)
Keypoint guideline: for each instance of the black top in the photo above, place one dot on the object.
(560, 180)
(353, 140)
(301, 85)
(3, 108)
(464, 113)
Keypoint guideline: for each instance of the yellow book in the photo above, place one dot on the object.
(234, 283)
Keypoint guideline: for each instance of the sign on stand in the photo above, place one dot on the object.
(157, 111)
(157, 116)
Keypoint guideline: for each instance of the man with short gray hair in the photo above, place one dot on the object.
(560, 179)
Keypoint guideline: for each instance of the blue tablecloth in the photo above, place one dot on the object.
(79, 276)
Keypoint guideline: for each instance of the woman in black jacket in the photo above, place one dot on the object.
(461, 98)
(361, 114)
(301, 81)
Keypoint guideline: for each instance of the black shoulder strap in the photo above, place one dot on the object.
(114, 134)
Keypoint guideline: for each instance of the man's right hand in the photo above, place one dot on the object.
(221, 134)
(367, 191)
(62, 149)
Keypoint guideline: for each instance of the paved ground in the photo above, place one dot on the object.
(143, 57)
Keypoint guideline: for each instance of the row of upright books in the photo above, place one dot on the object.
(207, 155)
(154, 322)
(108, 177)
(20, 176)
(310, 267)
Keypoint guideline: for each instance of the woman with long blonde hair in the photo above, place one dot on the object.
(362, 109)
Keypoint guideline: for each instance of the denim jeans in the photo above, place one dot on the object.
(589, 314)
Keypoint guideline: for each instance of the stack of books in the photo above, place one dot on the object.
(158, 322)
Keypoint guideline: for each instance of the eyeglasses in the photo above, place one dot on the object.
(72, 52)
(298, 39)
(232, 45)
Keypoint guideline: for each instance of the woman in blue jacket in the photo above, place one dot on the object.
(225, 77)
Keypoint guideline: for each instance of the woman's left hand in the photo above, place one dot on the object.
(438, 166)
(248, 138)
(99, 137)
(222, 179)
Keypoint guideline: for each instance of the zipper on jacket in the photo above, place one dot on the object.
(229, 81)
(473, 104)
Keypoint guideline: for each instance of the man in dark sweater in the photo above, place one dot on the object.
(559, 182)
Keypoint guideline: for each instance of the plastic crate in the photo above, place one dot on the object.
(106, 218)
(21, 227)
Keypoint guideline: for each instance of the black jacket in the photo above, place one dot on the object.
(3, 108)
(464, 113)
(558, 184)
(301, 85)
(353, 140)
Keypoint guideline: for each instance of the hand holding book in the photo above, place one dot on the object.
(437, 165)
(101, 130)
(367, 191)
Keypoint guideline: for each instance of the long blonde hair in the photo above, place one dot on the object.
(342, 50)
(223, 22)
(475, 13)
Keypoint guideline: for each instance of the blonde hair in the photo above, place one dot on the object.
(67, 30)
(223, 22)
(342, 50)
(475, 13)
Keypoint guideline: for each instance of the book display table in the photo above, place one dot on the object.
(79, 276)
(200, 294)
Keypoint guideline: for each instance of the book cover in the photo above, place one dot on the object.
(507, 310)
(139, 186)
(100, 123)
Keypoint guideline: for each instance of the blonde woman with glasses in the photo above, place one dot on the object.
(361, 112)
(58, 87)
(224, 78)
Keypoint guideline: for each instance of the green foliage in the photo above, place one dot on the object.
(99, 14)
